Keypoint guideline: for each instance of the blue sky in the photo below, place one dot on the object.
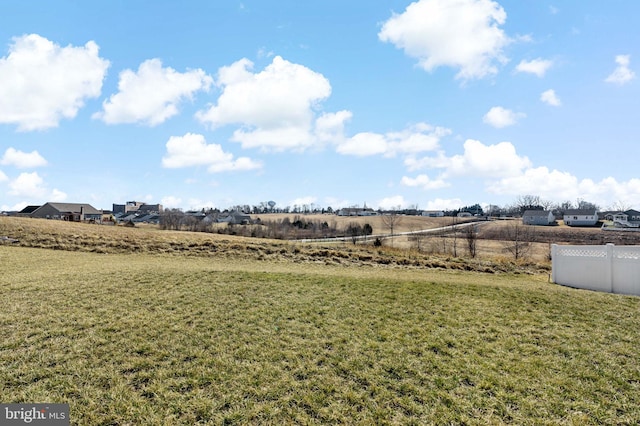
(434, 103)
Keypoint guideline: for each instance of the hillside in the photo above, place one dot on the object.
(57, 235)
(140, 326)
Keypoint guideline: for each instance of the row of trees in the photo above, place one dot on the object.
(535, 202)
(297, 228)
(516, 208)
(515, 239)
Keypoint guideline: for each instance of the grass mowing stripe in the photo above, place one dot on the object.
(154, 340)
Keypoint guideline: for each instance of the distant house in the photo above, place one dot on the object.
(356, 211)
(433, 213)
(27, 211)
(235, 218)
(127, 217)
(538, 217)
(137, 207)
(465, 214)
(580, 217)
(148, 218)
(626, 219)
(73, 212)
(150, 209)
(633, 216)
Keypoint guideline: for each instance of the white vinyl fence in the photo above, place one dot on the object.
(609, 268)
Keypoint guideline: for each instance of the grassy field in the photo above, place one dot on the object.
(154, 335)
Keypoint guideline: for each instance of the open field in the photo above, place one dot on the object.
(57, 235)
(490, 243)
(139, 326)
(405, 223)
(155, 339)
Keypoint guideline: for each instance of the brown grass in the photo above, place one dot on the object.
(405, 224)
(82, 237)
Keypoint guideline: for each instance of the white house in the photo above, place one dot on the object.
(580, 217)
(356, 211)
(538, 217)
(433, 213)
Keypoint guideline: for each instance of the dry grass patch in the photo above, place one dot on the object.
(165, 339)
(404, 224)
(83, 237)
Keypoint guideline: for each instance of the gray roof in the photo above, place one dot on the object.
(536, 213)
(74, 208)
(29, 209)
(578, 212)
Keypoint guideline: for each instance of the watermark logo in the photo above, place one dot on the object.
(34, 414)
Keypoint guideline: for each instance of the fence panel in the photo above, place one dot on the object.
(626, 270)
(582, 267)
(601, 268)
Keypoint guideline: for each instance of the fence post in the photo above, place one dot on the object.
(554, 262)
(609, 270)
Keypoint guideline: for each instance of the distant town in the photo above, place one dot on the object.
(530, 209)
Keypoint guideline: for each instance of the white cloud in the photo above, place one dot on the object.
(394, 202)
(463, 34)
(275, 107)
(444, 204)
(3, 177)
(171, 202)
(559, 186)
(27, 185)
(337, 203)
(540, 181)
(32, 186)
(537, 66)
(57, 195)
(198, 204)
(330, 126)
(42, 83)
(549, 97)
(500, 117)
(479, 160)
(424, 182)
(364, 144)
(192, 150)
(419, 138)
(15, 208)
(22, 160)
(152, 94)
(487, 160)
(622, 74)
(301, 201)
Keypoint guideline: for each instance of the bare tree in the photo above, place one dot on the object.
(391, 220)
(471, 235)
(418, 239)
(528, 202)
(586, 205)
(620, 206)
(565, 205)
(354, 230)
(454, 228)
(546, 204)
(518, 238)
(171, 219)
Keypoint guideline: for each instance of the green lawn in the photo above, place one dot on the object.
(159, 339)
